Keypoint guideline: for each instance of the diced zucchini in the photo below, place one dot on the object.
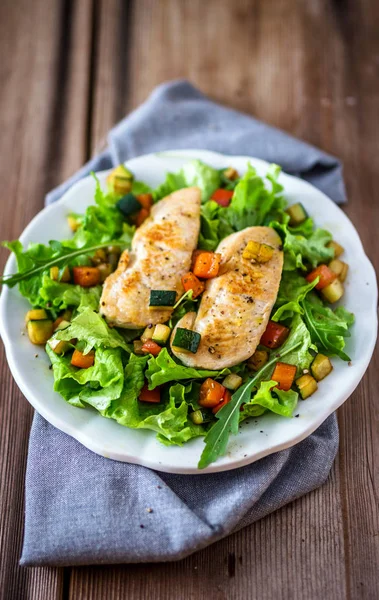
(162, 298)
(297, 214)
(199, 417)
(105, 270)
(261, 253)
(99, 257)
(186, 339)
(62, 325)
(120, 180)
(65, 277)
(258, 360)
(232, 381)
(231, 173)
(333, 292)
(137, 347)
(58, 346)
(40, 331)
(321, 367)
(73, 223)
(161, 333)
(307, 385)
(338, 249)
(128, 205)
(36, 314)
(340, 268)
(147, 334)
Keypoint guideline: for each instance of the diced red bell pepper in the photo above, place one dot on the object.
(275, 335)
(151, 347)
(222, 197)
(284, 374)
(142, 216)
(226, 398)
(325, 274)
(152, 396)
(145, 200)
(211, 393)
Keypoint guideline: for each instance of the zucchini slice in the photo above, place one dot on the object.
(297, 214)
(307, 386)
(161, 333)
(338, 249)
(186, 339)
(232, 381)
(36, 314)
(199, 417)
(340, 268)
(40, 332)
(162, 298)
(147, 334)
(321, 367)
(128, 205)
(333, 292)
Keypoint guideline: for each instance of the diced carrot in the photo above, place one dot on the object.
(226, 398)
(195, 254)
(83, 361)
(146, 395)
(275, 335)
(284, 374)
(86, 276)
(191, 282)
(142, 216)
(151, 347)
(211, 393)
(222, 197)
(145, 200)
(325, 274)
(207, 265)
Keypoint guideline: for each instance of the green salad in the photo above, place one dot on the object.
(132, 375)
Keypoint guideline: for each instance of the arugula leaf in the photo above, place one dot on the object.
(292, 290)
(163, 368)
(89, 327)
(328, 328)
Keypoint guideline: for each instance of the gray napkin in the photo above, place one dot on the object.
(85, 509)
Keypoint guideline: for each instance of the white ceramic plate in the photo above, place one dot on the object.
(108, 438)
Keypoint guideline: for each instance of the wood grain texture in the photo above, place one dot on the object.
(43, 107)
(309, 67)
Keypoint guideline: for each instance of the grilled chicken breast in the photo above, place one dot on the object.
(161, 253)
(236, 305)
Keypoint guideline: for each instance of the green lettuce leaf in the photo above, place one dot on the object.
(292, 290)
(300, 251)
(277, 401)
(163, 368)
(57, 296)
(194, 173)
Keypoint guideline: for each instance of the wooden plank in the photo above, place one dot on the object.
(43, 105)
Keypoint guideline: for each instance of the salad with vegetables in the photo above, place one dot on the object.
(188, 308)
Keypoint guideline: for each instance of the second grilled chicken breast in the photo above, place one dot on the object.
(236, 305)
(161, 253)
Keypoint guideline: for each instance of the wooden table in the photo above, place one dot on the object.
(68, 71)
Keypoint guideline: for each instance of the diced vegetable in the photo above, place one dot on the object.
(275, 335)
(199, 417)
(36, 314)
(211, 393)
(148, 333)
(145, 200)
(40, 331)
(151, 347)
(120, 180)
(162, 298)
(99, 257)
(63, 318)
(338, 249)
(186, 339)
(142, 216)
(63, 324)
(334, 291)
(161, 333)
(231, 173)
(232, 381)
(65, 277)
(105, 270)
(226, 398)
(325, 275)
(297, 214)
(284, 375)
(261, 253)
(222, 197)
(58, 346)
(206, 265)
(73, 223)
(258, 360)
(307, 385)
(340, 268)
(86, 276)
(83, 361)
(113, 258)
(321, 367)
(128, 205)
(137, 347)
(152, 396)
(191, 282)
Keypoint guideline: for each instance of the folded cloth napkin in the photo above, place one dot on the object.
(85, 509)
